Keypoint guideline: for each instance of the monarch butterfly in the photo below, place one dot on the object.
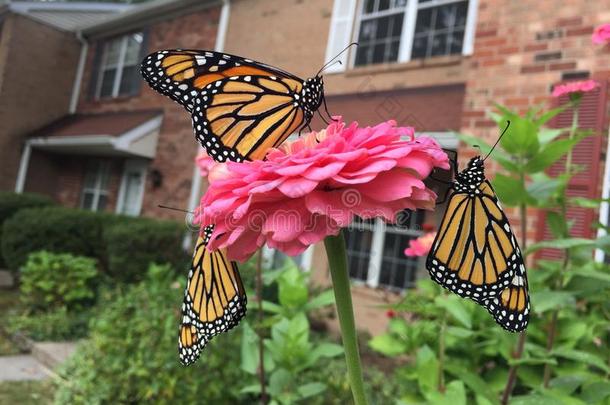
(475, 253)
(240, 108)
(214, 299)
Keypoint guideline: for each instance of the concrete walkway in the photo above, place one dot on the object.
(35, 366)
(21, 368)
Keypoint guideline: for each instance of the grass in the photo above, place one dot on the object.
(9, 302)
(26, 392)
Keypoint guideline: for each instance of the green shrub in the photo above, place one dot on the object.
(10, 203)
(55, 229)
(131, 356)
(133, 245)
(56, 325)
(51, 280)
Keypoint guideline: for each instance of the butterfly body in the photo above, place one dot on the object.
(240, 108)
(476, 255)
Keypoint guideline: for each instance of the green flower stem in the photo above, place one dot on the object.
(337, 260)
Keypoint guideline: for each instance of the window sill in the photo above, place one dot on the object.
(437, 61)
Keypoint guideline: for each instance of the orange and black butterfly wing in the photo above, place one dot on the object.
(214, 299)
(475, 253)
(512, 307)
(240, 108)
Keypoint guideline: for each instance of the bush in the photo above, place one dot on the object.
(56, 325)
(55, 229)
(123, 246)
(133, 245)
(50, 280)
(131, 356)
(10, 203)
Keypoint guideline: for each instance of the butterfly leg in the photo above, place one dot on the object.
(321, 116)
(326, 109)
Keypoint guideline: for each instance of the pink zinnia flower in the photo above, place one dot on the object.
(313, 187)
(205, 164)
(571, 88)
(601, 35)
(420, 246)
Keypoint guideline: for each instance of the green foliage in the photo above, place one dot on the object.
(131, 246)
(50, 281)
(289, 351)
(131, 354)
(459, 355)
(10, 203)
(123, 246)
(54, 325)
(55, 229)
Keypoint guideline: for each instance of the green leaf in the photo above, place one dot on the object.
(567, 243)
(567, 383)
(249, 349)
(279, 381)
(583, 357)
(322, 300)
(596, 392)
(498, 155)
(543, 187)
(550, 154)
(547, 116)
(327, 350)
(311, 389)
(456, 307)
(557, 224)
(534, 399)
(455, 394)
(398, 326)
(388, 345)
(522, 136)
(543, 301)
(271, 307)
(474, 382)
(426, 365)
(509, 190)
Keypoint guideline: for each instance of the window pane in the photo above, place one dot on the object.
(107, 82)
(129, 80)
(101, 202)
(87, 201)
(379, 39)
(358, 241)
(113, 51)
(369, 6)
(439, 30)
(383, 5)
(133, 189)
(132, 53)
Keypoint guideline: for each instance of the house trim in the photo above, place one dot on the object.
(604, 208)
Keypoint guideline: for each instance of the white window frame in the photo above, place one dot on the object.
(306, 261)
(132, 166)
(97, 190)
(408, 27)
(604, 208)
(116, 86)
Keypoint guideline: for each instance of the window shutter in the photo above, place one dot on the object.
(586, 155)
(95, 69)
(340, 33)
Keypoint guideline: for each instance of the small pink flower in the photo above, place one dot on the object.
(420, 246)
(578, 87)
(313, 187)
(205, 164)
(601, 35)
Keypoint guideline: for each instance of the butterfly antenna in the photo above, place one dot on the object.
(498, 141)
(333, 59)
(174, 209)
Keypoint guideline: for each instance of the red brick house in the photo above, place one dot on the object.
(122, 141)
(439, 65)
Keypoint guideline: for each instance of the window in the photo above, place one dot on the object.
(439, 30)
(375, 251)
(118, 71)
(380, 30)
(94, 195)
(400, 30)
(131, 191)
(275, 259)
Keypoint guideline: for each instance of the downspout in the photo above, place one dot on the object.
(223, 26)
(23, 167)
(79, 72)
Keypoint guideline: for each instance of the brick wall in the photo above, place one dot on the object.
(37, 68)
(521, 50)
(177, 147)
